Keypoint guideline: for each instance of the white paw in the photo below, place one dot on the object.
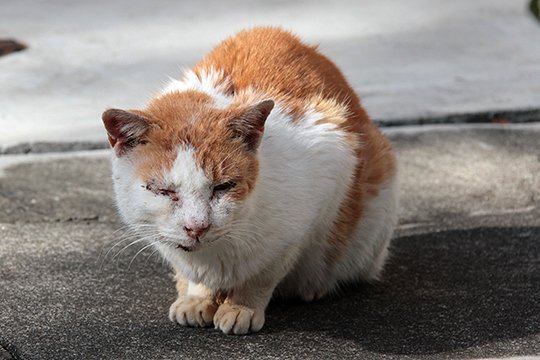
(193, 311)
(238, 319)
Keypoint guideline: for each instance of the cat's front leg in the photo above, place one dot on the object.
(195, 306)
(243, 310)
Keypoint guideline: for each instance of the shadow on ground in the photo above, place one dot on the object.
(466, 293)
(442, 292)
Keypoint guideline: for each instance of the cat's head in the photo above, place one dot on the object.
(183, 169)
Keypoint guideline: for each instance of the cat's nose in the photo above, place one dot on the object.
(196, 231)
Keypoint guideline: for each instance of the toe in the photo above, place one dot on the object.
(238, 319)
(242, 323)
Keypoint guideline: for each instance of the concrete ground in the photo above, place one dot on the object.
(407, 59)
(463, 281)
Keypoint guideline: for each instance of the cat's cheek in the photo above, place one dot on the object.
(145, 207)
(158, 209)
(131, 207)
(223, 212)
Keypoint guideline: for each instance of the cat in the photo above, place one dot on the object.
(258, 174)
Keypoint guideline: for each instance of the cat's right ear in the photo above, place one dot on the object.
(125, 129)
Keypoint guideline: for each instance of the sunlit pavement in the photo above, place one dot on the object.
(408, 59)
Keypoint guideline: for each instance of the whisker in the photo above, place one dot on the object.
(123, 238)
(117, 255)
(140, 251)
(151, 254)
(144, 238)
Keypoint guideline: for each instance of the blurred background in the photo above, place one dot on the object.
(409, 60)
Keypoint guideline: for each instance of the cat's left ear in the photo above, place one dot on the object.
(250, 125)
(125, 129)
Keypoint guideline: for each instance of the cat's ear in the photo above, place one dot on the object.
(250, 125)
(125, 129)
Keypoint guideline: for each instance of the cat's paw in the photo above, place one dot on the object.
(238, 319)
(193, 311)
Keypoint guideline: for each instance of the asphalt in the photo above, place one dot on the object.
(463, 280)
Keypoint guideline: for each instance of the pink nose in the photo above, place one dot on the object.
(195, 232)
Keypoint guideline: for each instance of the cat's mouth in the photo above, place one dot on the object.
(184, 244)
(185, 248)
(188, 248)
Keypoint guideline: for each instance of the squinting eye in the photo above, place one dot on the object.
(165, 192)
(170, 193)
(224, 187)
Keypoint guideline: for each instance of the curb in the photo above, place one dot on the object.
(494, 116)
(503, 117)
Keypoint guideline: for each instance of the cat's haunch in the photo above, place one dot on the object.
(257, 174)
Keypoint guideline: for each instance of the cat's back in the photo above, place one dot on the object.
(275, 62)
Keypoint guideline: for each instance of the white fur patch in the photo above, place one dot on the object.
(194, 191)
(186, 174)
(213, 83)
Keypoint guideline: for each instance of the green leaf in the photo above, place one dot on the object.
(534, 6)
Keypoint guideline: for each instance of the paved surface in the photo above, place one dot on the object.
(463, 280)
(408, 59)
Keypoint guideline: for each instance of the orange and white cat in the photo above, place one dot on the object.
(258, 173)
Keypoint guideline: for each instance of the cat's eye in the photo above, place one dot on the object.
(165, 192)
(173, 195)
(226, 186)
(162, 191)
